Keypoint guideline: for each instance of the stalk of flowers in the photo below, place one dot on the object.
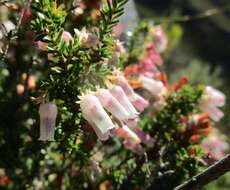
(210, 102)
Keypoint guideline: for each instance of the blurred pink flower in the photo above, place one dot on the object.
(67, 37)
(97, 117)
(20, 89)
(31, 83)
(160, 40)
(144, 137)
(210, 101)
(153, 55)
(48, 114)
(215, 145)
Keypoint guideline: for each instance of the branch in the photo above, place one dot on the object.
(210, 174)
(15, 32)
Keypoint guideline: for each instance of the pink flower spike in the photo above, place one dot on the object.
(48, 114)
(67, 37)
(120, 95)
(153, 86)
(112, 105)
(94, 113)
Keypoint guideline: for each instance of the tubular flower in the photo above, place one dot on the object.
(131, 140)
(112, 105)
(48, 115)
(94, 113)
(153, 55)
(210, 101)
(139, 102)
(153, 86)
(120, 95)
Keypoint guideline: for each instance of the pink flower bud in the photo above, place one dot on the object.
(20, 89)
(120, 95)
(94, 113)
(67, 37)
(112, 105)
(153, 86)
(48, 114)
(42, 45)
(31, 83)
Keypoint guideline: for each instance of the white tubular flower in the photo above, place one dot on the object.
(87, 39)
(48, 115)
(210, 101)
(139, 102)
(112, 105)
(153, 86)
(120, 95)
(94, 113)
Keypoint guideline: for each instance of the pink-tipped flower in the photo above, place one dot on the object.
(139, 102)
(118, 47)
(153, 86)
(48, 115)
(210, 101)
(160, 40)
(112, 105)
(67, 37)
(131, 140)
(120, 95)
(94, 113)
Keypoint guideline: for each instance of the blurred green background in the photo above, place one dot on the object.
(199, 46)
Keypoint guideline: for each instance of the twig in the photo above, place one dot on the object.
(210, 174)
(15, 31)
